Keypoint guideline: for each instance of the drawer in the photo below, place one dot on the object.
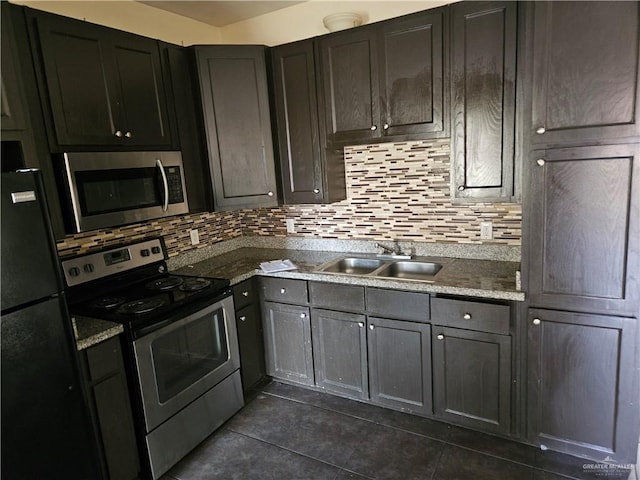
(398, 304)
(483, 317)
(285, 290)
(245, 293)
(346, 298)
(104, 358)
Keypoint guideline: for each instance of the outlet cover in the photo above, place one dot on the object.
(486, 230)
(291, 226)
(195, 236)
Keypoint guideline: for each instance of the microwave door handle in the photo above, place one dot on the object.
(165, 206)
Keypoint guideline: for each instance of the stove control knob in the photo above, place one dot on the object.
(145, 252)
(88, 267)
(74, 271)
(155, 250)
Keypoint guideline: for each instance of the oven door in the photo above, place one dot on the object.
(182, 361)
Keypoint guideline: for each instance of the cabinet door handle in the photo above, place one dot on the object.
(536, 321)
(374, 128)
(283, 290)
(461, 188)
(128, 135)
(243, 318)
(270, 194)
(540, 162)
(245, 294)
(385, 126)
(118, 133)
(371, 327)
(361, 324)
(440, 337)
(303, 315)
(316, 191)
(467, 316)
(540, 130)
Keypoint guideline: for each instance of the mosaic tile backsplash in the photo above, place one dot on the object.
(395, 191)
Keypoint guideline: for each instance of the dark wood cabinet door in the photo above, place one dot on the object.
(251, 343)
(400, 364)
(472, 378)
(585, 72)
(413, 61)
(83, 89)
(583, 212)
(350, 85)
(233, 86)
(582, 384)
(483, 87)
(287, 338)
(296, 104)
(340, 352)
(137, 65)
(12, 105)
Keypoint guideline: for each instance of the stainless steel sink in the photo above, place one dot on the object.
(352, 266)
(411, 270)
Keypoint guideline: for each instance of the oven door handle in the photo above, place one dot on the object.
(165, 205)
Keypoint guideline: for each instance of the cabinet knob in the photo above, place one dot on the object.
(283, 290)
(540, 162)
(118, 133)
(303, 315)
(128, 135)
(540, 130)
(371, 327)
(245, 294)
(270, 194)
(316, 191)
(374, 128)
(243, 318)
(461, 188)
(536, 321)
(361, 324)
(385, 126)
(467, 316)
(440, 337)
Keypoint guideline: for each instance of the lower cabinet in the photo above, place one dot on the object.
(287, 334)
(250, 334)
(340, 352)
(583, 384)
(400, 364)
(472, 378)
(110, 408)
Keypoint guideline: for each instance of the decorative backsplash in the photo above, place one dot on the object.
(395, 191)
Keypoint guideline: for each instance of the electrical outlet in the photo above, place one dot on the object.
(291, 226)
(486, 230)
(195, 236)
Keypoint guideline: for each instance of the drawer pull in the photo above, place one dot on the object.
(371, 327)
(440, 337)
(303, 315)
(283, 290)
(243, 318)
(467, 316)
(245, 294)
(536, 321)
(361, 324)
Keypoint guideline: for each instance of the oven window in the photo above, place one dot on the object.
(185, 355)
(106, 191)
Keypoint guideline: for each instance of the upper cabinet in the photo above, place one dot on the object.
(483, 104)
(310, 173)
(235, 102)
(387, 81)
(104, 86)
(585, 72)
(12, 107)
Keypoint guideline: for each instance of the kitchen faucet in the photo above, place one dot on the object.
(395, 251)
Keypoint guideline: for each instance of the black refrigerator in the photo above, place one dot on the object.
(45, 426)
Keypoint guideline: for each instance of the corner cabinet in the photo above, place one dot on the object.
(585, 72)
(310, 173)
(387, 80)
(235, 103)
(483, 103)
(104, 86)
(582, 385)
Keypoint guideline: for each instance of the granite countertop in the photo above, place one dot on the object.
(91, 331)
(489, 279)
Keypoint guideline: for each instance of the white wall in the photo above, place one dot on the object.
(282, 26)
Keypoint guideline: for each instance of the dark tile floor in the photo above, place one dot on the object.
(288, 433)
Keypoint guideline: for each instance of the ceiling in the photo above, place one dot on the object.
(219, 14)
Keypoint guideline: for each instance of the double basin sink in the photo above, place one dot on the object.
(405, 269)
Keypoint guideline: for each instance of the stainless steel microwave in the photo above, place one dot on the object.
(107, 189)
